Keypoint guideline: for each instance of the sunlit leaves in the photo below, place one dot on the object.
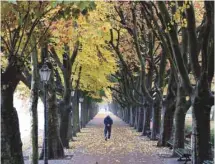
(177, 17)
(92, 30)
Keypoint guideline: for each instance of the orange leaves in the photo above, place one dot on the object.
(63, 31)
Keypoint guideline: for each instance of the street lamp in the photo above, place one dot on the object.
(72, 93)
(45, 73)
(81, 99)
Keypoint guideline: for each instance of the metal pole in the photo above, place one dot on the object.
(80, 115)
(45, 128)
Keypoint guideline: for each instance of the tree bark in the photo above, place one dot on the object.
(166, 122)
(76, 127)
(146, 120)
(181, 109)
(155, 119)
(168, 109)
(11, 144)
(66, 108)
(127, 114)
(140, 119)
(64, 123)
(33, 108)
(136, 118)
(131, 117)
(201, 106)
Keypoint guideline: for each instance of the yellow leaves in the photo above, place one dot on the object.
(95, 59)
(106, 27)
(184, 23)
(172, 4)
(177, 16)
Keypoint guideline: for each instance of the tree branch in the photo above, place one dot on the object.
(193, 44)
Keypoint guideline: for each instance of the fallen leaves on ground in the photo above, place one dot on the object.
(123, 140)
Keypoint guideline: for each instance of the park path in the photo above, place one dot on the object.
(126, 146)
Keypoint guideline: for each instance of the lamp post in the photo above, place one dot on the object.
(45, 73)
(81, 99)
(72, 95)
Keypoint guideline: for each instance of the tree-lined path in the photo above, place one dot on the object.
(126, 146)
(151, 63)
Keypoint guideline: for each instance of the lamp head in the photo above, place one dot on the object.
(45, 73)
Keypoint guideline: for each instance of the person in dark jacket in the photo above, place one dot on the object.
(108, 123)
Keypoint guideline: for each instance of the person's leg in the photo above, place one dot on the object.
(109, 132)
(105, 132)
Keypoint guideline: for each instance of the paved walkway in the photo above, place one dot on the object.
(125, 146)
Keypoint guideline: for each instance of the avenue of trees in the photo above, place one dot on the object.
(167, 66)
(59, 34)
(155, 59)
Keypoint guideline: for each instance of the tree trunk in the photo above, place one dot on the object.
(33, 109)
(127, 111)
(83, 105)
(55, 147)
(155, 119)
(65, 105)
(11, 145)
(168, 109)
(212, 113)
(201, 134)
(146, 120)
(201, 106)
(166, 122)
(131, 117)
(64, 123)
(123, 114)
(70, 127)
(76, 127)
(140, 119)
(180, 113)
(136, 118)
(86, 110)
(82, 115)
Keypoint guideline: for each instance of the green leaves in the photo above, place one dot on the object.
(20, 21)
(12, 1)
(82, 5)
(55, 3)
